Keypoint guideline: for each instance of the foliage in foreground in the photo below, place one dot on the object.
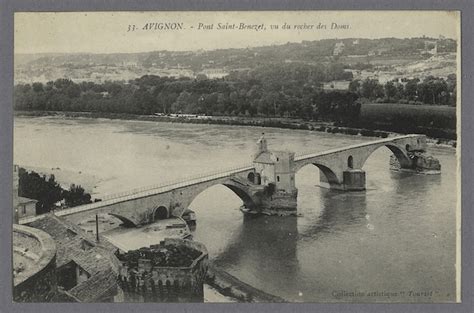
(48, 192)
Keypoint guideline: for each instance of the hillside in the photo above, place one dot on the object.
(353, 53)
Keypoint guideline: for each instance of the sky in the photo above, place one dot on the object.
(107, 32)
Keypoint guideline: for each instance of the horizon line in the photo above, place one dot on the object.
(216, 49)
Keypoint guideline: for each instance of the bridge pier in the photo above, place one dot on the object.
(279, 203)
(276, 171)
(354, 180)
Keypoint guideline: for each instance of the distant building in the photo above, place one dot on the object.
(22, 206)
(338, 48)
(379, 51)
(214, 73)
(337, 85)
(26, 207)
(431, 46)
(105, 94)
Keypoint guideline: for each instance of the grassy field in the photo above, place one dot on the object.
(434, 120)
(370, 109)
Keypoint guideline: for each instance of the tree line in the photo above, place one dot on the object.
(285, 90)
(48, 192)
(431, 90)
(278, 90)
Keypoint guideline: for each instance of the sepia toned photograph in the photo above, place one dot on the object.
(236, 157)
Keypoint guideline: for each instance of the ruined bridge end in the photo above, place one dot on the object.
(341, 168)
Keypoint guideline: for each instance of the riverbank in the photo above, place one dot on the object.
(67, 177)
(285, 123)
(230, 286)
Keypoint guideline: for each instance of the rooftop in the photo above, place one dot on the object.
(97, 259)
(23, 200)
(170, 253)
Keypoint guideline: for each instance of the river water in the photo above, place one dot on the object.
(394, 242)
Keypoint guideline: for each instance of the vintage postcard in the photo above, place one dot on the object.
(247, 156)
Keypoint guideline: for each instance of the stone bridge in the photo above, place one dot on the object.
(266, 186)
(342, 168)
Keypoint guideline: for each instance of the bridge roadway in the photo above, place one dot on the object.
(146, 192)
(140, 206)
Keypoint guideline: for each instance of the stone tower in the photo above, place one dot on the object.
(277, 173)
(261, 146)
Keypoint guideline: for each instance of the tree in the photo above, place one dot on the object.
(355, 86)
(411, 89)
(37, 87)
(76, 196)
(369, 88)
(390, 90)
(46, 190)
(182, 102)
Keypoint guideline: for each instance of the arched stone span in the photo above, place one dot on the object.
(159, 213)
(399, 152)
(239, 190)
(137, 208)
(334, 163)
(242, 194)
(327, 175)
(126, 222)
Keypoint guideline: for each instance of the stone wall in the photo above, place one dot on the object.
(280, 203)
(166, 284)
(41, 287)
(36, 280)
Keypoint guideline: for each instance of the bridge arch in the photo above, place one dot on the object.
(126, 222)
(328, 176)
(159, 213)
(241, 193)
(238, 189)
(401, 153)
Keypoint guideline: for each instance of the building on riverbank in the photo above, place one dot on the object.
(22, 206)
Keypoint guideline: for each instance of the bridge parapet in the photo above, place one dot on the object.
(147, 192)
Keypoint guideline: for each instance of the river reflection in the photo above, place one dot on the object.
(266, 245)
(338, 212)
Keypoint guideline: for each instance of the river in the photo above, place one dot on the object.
(394, 242)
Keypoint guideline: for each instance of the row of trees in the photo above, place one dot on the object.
(48, 192)
(290, 90)
(431, 90)
(284, 90)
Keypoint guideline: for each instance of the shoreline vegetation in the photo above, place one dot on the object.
(284, 123)
(48, 192)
